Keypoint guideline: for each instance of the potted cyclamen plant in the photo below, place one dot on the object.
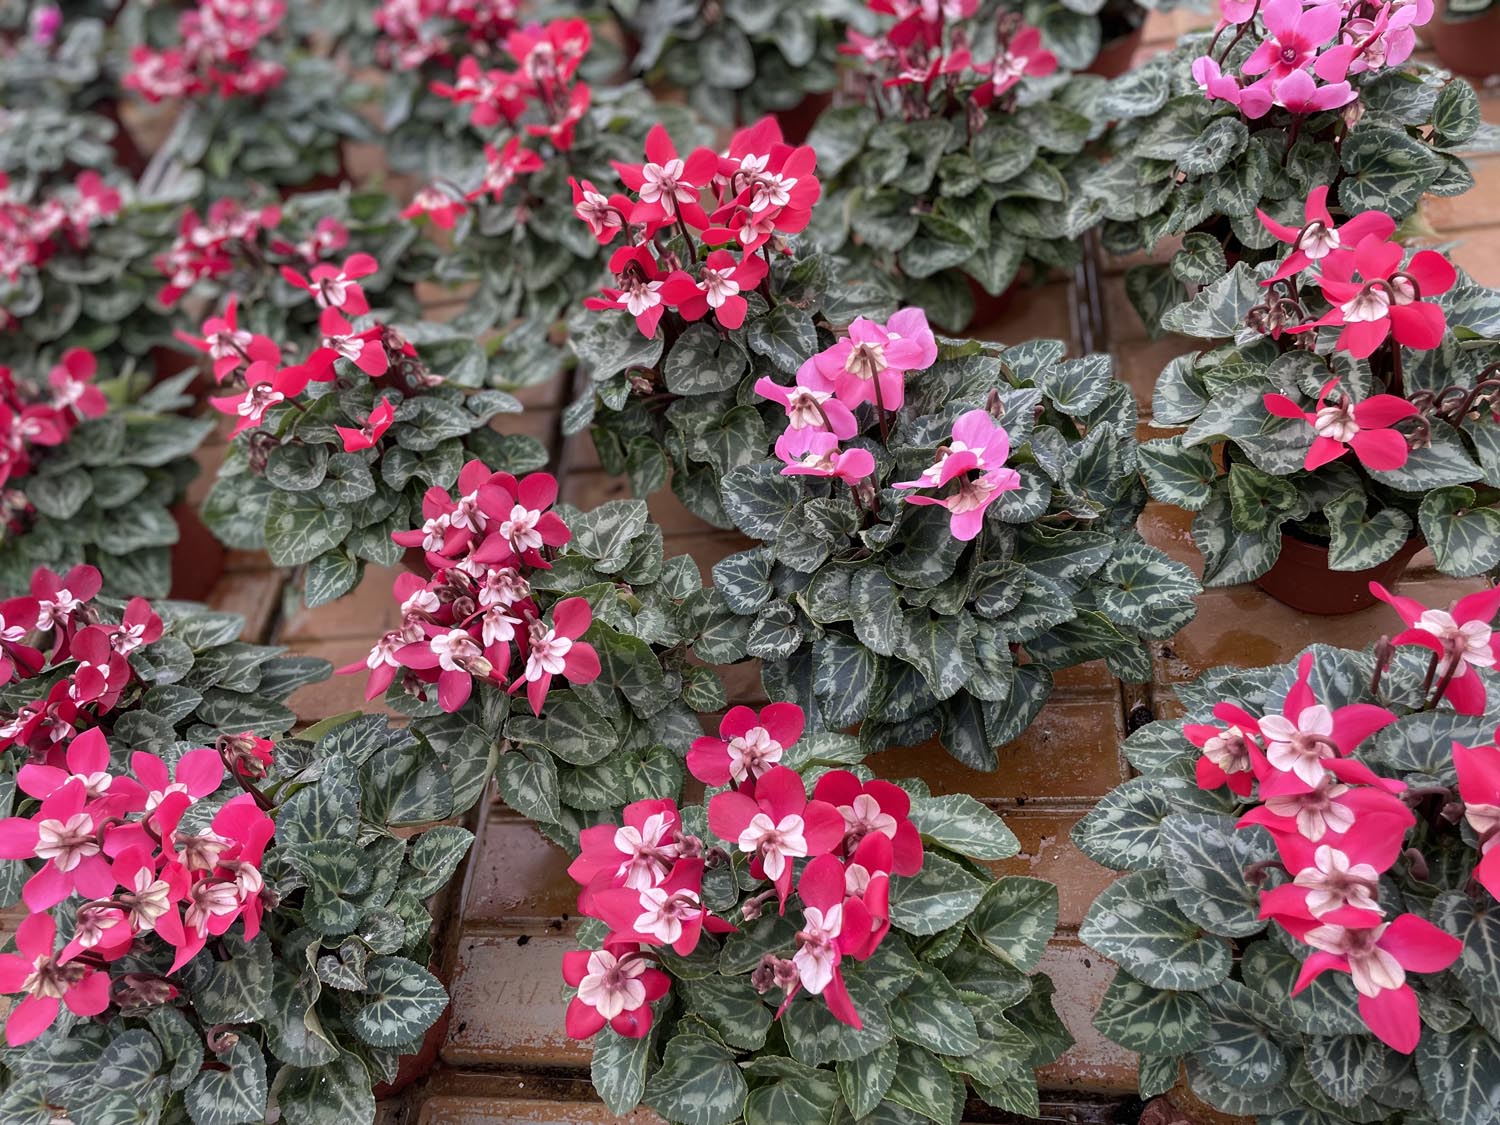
(1348, 390)
(1309, 914)
(581, 613)
(341, 419)
(948, 165)
(808, 945)
(708, 296)
(1270, 106)
(540, 123)
(255, 102)
(736, 62)
(220, 924)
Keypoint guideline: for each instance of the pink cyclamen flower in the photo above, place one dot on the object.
(1253, 101)
(1378, 958)
(436, 205)
(366, 349)
(1365, 427)
(368, 435)
(1298, 93)
(615, 987)
(777, 826)
(816, 453)
(60, 597)
(668, 185)
(979, 443)
(639, 291)
(1225, 758)
(197, 773)
(1336, 879)
(1023, 56)
(1462, 638)
(229, 346)
(1330, 809)
(748, 746)
(1293, 36)
(557, 651)
(832, 925)
(458, 658)
(605, 215)
(637, 854)
(966, 506)
(810, 403)
(1479, 787)
(65, 837)
(265, 387)
(870, 364)
(1319, 237)
(85, 763)
(36, 970)
(872, 808)
(18, 617)
(667, 913)
(1374, 296)
(336, 287)
(1307, 734)
(721, 281)
(72, 383)
(518, 513)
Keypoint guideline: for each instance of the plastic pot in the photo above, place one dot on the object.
(1466, 46)
(1301, 577)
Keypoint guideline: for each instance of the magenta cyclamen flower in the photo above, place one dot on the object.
(1365, 427)
(36, 970)
(748, 745)
(557, 651)
(816, 453)
(1293, 36)
(1479, 787)
(810, 403)
(615, 987)
(871, 363)
(65, 837)
(1319, 237)
(1462, 639)
(777, 826)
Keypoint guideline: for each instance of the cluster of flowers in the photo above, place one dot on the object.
(540, 95)
(209, 248)
(30, 233)
(1374, 294)
(116, 840)
(1338, 826)
(418, 31)
(29, 419)
(461, 623)
(217, 53)
(927, 42)
(644, 879)
(760, 188)
(1306, 54)
(870, 365)
(212, 249)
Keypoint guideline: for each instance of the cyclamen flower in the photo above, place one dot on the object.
(777, 826)
(966, 506)
(606, 215)
(1308, 738)
(36, 970)
(458, 658)
(668, 913)
(810, 403)
(1479, 786)
(1462, 640)
(18, 616)
(1293, 36)
(85, 763)
(197, 774)
(60, 597)
(368, 435)
(639, 293)
(1319, 237)
(718, 286)
(336, 287)
(1336, 880)
(979, 443)
(1386, 300)
(615, 987)
(559, 652)
(871, 363)
(636, 855)
(1226, 758)
(65, 837)
(832, 925)
(870, 808)
(229, 346)
(1329, 809)
(434, 204)
(71, 381)
(1378, 958)
(816, 453)
(748, 746)
(669, 187)
(1365, 427)
(521, 520)
(366, 350)
(503, 166)
(265, 387)
(1023, 56)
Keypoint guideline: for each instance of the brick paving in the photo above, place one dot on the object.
(505, 1058)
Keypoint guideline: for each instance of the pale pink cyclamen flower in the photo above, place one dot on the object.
(871, 363)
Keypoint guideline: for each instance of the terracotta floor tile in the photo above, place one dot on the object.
(1069, 755)
(1093, 1063)
(532, 422)
(1478, 253)
(1139, 363)
(1171, 529)
(518, 875)
(253, 594)
(337, 694)
(1475, 207)
(364, 613)
(708, 549)
(523, 1111)
(508, 1004)
(1243, 627)
(1047, 852)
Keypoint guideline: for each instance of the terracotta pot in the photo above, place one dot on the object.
(798, 121)
(197, 557)
(1301, 578)
(412, 1067)
(989, 307)
(324, 182)
(1115, 55)
(1466, 46)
